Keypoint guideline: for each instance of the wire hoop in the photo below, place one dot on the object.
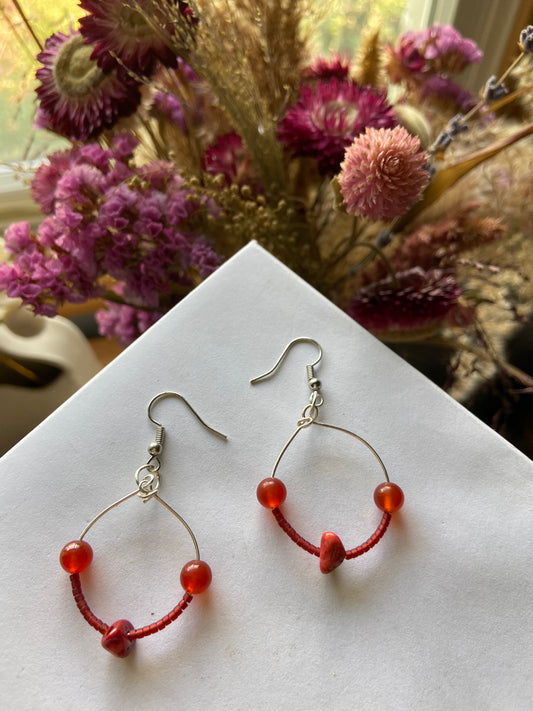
(306, 421)
(272, 492)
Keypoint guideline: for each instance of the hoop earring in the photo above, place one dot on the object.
(271, 492)
(119, 638)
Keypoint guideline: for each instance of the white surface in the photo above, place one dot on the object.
(435, 617)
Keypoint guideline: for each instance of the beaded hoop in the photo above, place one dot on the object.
(271, 492)
(119, 638)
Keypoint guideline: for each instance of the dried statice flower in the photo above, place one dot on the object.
(114, 230)
(413, 299)
(383, 173)
(46, 178)
(125, 323)
(122, 28)
(77, 99)
(328, 116)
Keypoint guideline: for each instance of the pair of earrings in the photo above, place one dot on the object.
(120, 637)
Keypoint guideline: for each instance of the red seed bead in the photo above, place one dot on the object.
(76, 556)
(196, 577)
(388, 497)
(271, 493)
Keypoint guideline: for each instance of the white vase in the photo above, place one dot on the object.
(42, 362)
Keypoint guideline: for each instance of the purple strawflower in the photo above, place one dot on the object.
(325, 68)
(439, 49)
(229, 157)
(119, 28)
(328, 116)
(77, 99)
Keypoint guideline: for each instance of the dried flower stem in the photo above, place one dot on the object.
(195, 150)
(24, 18)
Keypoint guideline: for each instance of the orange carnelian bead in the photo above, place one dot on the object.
(388, 497)
(195, 577)
(271, 493)
(76, 556)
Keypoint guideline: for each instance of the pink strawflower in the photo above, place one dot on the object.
(383, 173)
(117, 27)
(77, 99)
(328, 116)
(415, 299)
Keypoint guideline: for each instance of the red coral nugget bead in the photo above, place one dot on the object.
(388, 497)
(271, 492)
(116, 639)
(76, 556)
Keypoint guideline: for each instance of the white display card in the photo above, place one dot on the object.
(436, 616)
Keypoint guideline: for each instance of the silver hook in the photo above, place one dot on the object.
(314, 383)
(155, 448)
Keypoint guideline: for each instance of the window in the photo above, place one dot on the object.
(491, 27)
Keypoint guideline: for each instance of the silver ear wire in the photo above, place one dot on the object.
(314, 383)
(156, 447)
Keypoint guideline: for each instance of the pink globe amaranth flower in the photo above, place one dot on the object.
(415, 299)
(77, 99)
(117, 27)
(328, 116)
(383, 173)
